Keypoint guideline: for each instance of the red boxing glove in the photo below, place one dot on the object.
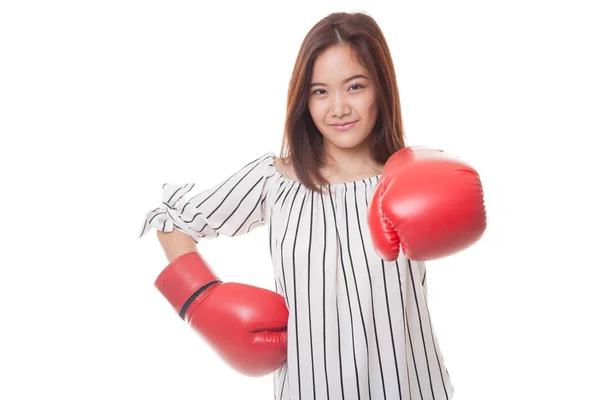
(245, 324)
(427, 203)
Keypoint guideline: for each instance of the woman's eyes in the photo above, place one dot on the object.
(352, 88)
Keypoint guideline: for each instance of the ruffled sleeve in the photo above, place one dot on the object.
(232, 207)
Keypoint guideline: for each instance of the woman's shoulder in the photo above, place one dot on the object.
(285, 167)
(267, 164)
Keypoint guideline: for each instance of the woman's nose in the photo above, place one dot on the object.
(340, 106)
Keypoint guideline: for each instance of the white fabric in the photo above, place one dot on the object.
(359, 327)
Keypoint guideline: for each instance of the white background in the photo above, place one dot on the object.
(103, 102)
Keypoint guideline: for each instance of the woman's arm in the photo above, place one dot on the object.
(176, 243)
(233, 207)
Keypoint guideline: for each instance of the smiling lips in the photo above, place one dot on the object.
(344, 126)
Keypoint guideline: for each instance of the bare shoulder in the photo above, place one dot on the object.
(285, 167)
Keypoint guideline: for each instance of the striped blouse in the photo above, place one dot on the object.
(359, 327)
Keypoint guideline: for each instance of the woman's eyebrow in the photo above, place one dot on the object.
(345, 81)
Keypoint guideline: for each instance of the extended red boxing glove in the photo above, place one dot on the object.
(246, 325)
(427, 204)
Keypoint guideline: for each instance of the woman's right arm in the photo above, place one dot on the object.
(232, 207)
(176, 243)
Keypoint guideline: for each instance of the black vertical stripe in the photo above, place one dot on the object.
(284, 371)
(407, 332)
(339, 335)
(286, 291)
(437, 356)
(439, 364)
(295, 292)
(310, 329)
(347, 295)
(337, 306)
(412, 350)
(387, 303)
(269, 215)
(287, 190)
(324, 285)
(271, 237)
(421, 327)
(284, 189)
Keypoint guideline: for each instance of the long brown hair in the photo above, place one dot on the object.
(302, 140)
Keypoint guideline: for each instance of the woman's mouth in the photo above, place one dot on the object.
(344, 126)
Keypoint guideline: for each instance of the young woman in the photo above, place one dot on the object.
(358, 326)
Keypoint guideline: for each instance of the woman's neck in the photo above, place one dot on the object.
(349, 165)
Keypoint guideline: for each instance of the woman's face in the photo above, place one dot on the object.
(342, 100)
